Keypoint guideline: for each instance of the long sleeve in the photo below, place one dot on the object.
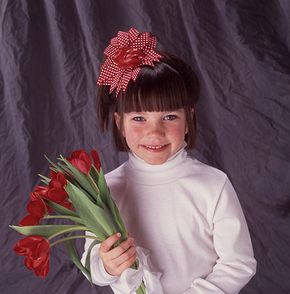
(130, 279)
(236, 263)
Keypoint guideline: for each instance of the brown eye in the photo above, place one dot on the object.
(170, 117)
(138, 118)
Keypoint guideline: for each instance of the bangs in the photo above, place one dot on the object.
(156, 89)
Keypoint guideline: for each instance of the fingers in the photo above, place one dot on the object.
(109, 242)
(126, 255)
(118, 259)
(123, 247)
(116, 266)
(128, 263)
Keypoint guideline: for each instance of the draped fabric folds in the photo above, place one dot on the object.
(50, 55)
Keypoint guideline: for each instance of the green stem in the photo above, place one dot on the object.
(71, 238)
(73, 218)
(95, 186)
(74, 228)
(141, 289)
(98, 172)
(55, 216)
(93, 183)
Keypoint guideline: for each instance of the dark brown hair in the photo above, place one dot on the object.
(169, 85)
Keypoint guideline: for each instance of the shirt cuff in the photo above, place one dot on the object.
(99, 275)
(130, 279)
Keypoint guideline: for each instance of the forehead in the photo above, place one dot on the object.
(178, 111)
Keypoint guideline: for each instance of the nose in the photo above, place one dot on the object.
(155, 129)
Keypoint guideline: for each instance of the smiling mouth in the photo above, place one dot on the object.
(155, 147)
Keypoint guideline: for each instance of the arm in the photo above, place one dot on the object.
(236, 263)
(112, 267)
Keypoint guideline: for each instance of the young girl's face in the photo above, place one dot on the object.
(154, 136)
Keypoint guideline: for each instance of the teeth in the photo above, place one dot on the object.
(154, 147)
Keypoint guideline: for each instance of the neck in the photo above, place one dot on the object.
(145, 173)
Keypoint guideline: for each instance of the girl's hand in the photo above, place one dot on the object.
(118, 259)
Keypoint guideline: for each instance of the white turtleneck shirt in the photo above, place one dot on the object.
(188, 216)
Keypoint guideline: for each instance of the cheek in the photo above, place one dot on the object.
(178, 132)
(132, 133)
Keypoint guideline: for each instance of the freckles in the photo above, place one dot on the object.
(135, 130)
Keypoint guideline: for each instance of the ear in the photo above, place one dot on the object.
(117, 118)
(118, 122)
(186, 128)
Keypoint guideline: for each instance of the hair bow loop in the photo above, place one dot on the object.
(126, 53)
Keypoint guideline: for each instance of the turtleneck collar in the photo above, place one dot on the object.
(145, 173)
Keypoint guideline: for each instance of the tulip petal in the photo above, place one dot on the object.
(57, 195)
(36, 208)
(29, 220)
(96, 159)
(81, 160)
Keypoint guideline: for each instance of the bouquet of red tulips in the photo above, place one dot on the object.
(76, 191)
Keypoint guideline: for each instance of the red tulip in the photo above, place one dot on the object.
(36, 206)
(56, 191)
(29, 220)
(58, 180)
(36, 209)
(96, 158)
(59, 196)
(81, 160)
(36, 252)
(36, 197)
(56, 195)
(39, 191)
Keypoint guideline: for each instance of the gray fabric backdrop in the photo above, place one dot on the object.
(50, 53)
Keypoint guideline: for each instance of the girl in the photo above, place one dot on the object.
(185, 213)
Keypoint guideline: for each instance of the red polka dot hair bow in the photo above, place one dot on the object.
(125, 55)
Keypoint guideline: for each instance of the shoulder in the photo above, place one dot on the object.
(208, 173)
(215, 184)
(116, 177)
(205, 180)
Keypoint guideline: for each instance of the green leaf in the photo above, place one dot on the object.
(107, 198)
(45, 182)
(61, 209)
(75, 219)
(104, 192)
(58, 168)
(42, 230)
(95, 218)
(54, 166)
(118, 218)
(108, 201)
(72, 253)
(44, 179)
(94, 174)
